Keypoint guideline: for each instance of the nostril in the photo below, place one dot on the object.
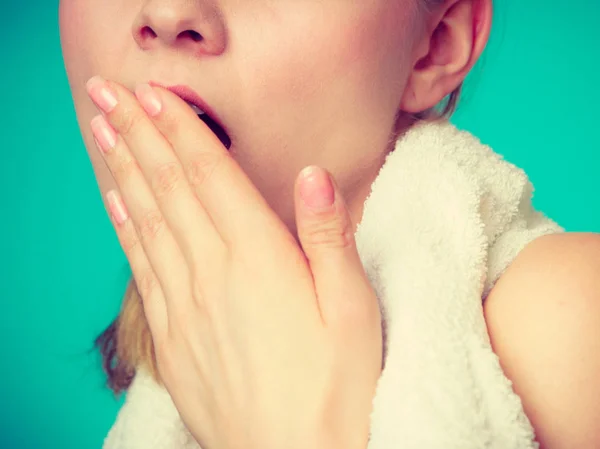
(147, 32)
(195, 36)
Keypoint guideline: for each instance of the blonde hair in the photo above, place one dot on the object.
(126, 344)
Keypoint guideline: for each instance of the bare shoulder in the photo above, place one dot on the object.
(543, 317)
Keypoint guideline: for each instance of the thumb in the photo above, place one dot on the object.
(326, 233)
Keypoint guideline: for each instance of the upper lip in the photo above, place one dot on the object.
(187, 94)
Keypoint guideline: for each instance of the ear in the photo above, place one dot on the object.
(455, 36)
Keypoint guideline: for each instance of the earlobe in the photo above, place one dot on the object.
(454, 46)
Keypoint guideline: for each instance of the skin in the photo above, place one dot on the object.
(381, 57)
(295, 91)
(289, 98)
(217, 286)
(543, 317)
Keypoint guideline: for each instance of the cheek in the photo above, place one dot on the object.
(372, 55)
(75, 40)
(73, 33)
(89, 38)
(90, 46)
(78, 51)
(330, 77)
(85, 49)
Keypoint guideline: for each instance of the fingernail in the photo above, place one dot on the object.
(316, 188)
(104, 134)
(149, 99)
(117, 207)
(101, 94)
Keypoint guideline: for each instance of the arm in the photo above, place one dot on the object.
(543, 317)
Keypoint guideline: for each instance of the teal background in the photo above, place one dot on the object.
(534, 97)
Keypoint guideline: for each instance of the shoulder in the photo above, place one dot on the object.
(543, 317)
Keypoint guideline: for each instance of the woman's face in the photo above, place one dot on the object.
(296, 82)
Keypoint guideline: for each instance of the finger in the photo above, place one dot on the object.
(157, 241)
(326, 234)
(157, 163)
(235, 206)
(147, 284)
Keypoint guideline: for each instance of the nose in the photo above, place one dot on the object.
(193, 25)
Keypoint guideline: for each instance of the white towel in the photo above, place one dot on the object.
(445, 217)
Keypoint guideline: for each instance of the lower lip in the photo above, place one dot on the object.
(181, 91)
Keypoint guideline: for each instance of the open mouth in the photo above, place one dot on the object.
(213, 125)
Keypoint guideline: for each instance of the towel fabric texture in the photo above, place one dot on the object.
(445, 217)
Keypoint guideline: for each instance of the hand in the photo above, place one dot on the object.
(260, 343)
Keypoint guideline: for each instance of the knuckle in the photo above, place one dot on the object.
(146, 283)
(188, 317)
(123, 167)
(333, 233)
(151, 225)
(170, 123)
(201, 167)
(129, 241)
(127, 121)
(165, 179)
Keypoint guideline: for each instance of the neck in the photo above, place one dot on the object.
(357, 195)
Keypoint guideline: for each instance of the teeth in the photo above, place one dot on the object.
(196, 109)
